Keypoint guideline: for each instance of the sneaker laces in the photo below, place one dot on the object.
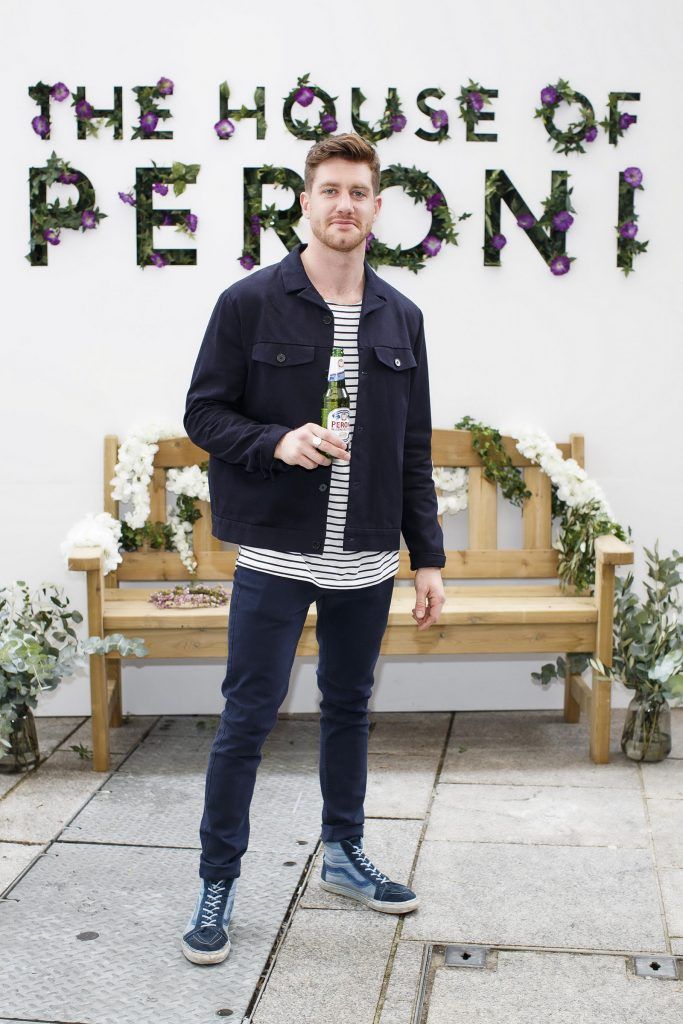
(212, 903)
(363, 862)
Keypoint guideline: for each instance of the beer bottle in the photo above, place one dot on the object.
(336, 401)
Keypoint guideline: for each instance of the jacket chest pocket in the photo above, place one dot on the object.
(281, 355)
(397, 360)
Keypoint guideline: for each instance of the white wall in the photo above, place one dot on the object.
(93, 344)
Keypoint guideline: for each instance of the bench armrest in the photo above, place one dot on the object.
(609, 550)
(85, 559)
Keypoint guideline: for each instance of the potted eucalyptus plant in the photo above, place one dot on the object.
(647, 656)
(38, 647)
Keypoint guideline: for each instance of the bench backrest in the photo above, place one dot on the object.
(480, 558)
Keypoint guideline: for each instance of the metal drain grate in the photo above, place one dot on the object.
(656, 967)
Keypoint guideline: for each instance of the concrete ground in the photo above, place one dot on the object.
(550, 888)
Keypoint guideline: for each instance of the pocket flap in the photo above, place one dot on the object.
(282, 354)
(396, 358)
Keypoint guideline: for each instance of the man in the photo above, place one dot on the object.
(315, 518)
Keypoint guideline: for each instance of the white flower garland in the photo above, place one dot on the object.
(574, 487)
(130, 482)
(194, 483)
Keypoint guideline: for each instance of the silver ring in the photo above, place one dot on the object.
(317, 439)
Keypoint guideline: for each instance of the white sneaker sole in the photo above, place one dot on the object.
(384, 908)
(214, 957)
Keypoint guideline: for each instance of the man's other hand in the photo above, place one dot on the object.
(430, 597)
(296, 448)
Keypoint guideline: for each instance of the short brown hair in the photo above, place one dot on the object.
(348, 146)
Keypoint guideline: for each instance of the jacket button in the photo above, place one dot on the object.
(397, 362)
(281, 357)
(322, 487)
(327, 319)
(360, 429)
(364, 373)
(316, 544)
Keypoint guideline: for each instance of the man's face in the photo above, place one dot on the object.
(340, 205)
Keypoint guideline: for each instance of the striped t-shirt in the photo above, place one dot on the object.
(334, 567)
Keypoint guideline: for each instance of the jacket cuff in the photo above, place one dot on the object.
(427, 560)
(270, 466)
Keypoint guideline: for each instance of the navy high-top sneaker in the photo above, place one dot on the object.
(206, 939)
(347, 871)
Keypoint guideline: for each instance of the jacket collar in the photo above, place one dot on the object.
(295, 279)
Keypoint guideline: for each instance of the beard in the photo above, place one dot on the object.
(341, 239)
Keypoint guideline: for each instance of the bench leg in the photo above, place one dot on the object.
(572, 708)
(600, 717)
(116, 705)
(99, 702)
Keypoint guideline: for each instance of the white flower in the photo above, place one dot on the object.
(95, 531)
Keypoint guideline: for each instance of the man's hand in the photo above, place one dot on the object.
(296, 448)
(430, 597)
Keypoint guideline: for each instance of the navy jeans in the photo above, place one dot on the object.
(265, 622)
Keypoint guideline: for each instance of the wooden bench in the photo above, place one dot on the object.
(486, 618)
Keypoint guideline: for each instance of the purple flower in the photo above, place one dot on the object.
(431, 245)
(475, 100)
(328, 123)
(498, 241)
(626, 120)
(84, 110)
(562, 221)
(629, 229)
(439, 118)
(158, 259)
(369, 240)
(126, 197)
(255, 224)
(41, 126)
(191, 221)
(526, 221)
(247, 261)
(59, 92)
(591, 133)
(398, 122)
(68, 177)
(165, 87)
(167, 222)
(436, 199)
(148, 121)
(160, 187)
(560, 265)
(51, 235)
(88, 219)
(304, 97)
(633, 176)
(224, 128)
(549, 96)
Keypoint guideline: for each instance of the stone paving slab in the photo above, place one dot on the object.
(400, 785)
(475, 760)
(529, 728)
(122, 738)
(401, 994)
(330, 969)
(558, 987)
(394, 732)
(36, 809)
(559, 896)
(663, 778)
(666, 823)
(671, 880)
(138, 902)
(390, 845)
(559, 815)
(14, 858)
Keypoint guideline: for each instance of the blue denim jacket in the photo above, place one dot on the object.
(262, 371)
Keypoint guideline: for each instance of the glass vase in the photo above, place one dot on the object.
(647, 728)
(23, 753)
